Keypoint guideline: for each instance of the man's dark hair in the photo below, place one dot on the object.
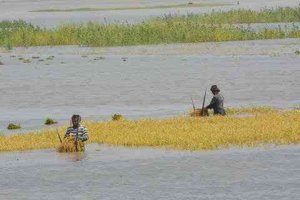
(76, 117)
(214, 88)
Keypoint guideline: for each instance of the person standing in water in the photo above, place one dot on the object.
(217, 101)
(77, 130)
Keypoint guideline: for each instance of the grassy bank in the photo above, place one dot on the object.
(265, 126)
(169, 29)
(186, 5)
(240, 16)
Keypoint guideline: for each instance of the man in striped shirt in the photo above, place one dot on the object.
(77, 130)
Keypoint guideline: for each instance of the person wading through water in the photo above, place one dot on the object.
(217, 101)
(77, 132)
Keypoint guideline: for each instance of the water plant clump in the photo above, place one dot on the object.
(26, 61)
(297, 52)
(50, 58)
(99, 58)
(50, 121)
(213, 27)
(12, 126)
(187, 133)
(117, 117)
(1, 63)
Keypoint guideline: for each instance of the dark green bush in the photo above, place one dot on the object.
(50, 121)
(12, 126)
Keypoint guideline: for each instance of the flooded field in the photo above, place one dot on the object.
(21, 10)
(143, 81)
(122, 173)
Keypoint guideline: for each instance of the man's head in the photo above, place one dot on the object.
(76, 119)
(214, 89)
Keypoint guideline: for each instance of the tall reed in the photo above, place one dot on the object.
(214, 27)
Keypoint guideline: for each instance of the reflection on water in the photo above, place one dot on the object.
(75, 156)
(142, 173)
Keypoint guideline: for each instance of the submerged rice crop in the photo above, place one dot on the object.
(266, 126)
(214, 27)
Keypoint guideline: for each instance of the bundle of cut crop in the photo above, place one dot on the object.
(198, 113)
(68, 145)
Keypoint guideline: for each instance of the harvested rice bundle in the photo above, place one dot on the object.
(198, 113)
(68, 145)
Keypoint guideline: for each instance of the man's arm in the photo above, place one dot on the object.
(67, 133)
(212, 103)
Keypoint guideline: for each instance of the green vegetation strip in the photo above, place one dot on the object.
(239, 16)
(187, 5)
(214, 27)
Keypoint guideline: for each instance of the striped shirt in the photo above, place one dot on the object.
(81, 133)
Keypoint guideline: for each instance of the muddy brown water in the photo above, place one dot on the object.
(140, 173)
(144, 81)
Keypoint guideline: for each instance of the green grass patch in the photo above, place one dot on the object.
(239, 16)
(186, 5)
(12, 126)
(50, 121)
(117, 117)
(214, 27)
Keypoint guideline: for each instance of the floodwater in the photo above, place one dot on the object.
(144, 81)
(138, 82)
(20, 9)
(141, 173)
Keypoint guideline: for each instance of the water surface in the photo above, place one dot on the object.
(141, 173)
(144, 81)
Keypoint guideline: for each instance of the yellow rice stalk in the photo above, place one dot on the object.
(68, 145)
(263, 126)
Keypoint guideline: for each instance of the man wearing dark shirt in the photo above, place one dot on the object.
(217, 101)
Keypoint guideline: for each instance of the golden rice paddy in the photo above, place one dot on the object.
(259, 127)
